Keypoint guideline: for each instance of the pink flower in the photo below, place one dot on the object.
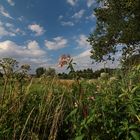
(64, 60)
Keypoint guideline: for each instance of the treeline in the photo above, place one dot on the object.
(86, 73)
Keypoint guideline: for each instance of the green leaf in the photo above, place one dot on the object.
(131, 109)
(134, 89)
(79, 137)
(72, 113)
(135, 135)
(133, 126)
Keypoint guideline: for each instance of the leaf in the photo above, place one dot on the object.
(132, 109)
(79, 137)
(72, 113)
(134, 89)
(135, 135)
(90, 120)
(133, 126)
(121, 95)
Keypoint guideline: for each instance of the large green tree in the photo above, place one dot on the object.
(118, 22)
(40, 71)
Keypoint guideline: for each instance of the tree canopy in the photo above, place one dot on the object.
(40, 71)
(118, 22)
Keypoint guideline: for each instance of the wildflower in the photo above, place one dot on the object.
(75, 104)
(64, 60)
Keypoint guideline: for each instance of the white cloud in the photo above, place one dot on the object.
(33, 45)
(11, 2)
(82, 41)
(11, 49)
(37, 29)
(4, 12)
(57, 43)
(90, 2)
(4, 31)
(79, 14)
(9, 25)
(67, 23)
(30, 53)
(83, 60)
(83, 54)
(8, 29)
(72, 2)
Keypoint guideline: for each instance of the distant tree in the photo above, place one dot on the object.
(50, 72)
(118, 22)
(63, 75)
(40, 71)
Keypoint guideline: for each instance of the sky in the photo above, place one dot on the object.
(38, 32)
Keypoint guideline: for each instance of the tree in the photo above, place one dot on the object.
(50, 72)
(117, 23)
(40, 71)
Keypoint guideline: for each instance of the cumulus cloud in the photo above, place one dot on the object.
(30, 53)
(72, 2)
(37, 29)
(83, 54)
(11, 2)
(57, 43)
(4, 12)
(11, 49)
(67, 23)
(79, 14)
(82, 41)
(83, 60)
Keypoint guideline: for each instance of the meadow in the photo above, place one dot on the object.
(48, 108)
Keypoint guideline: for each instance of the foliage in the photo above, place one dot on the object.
(109, 109)
(40, 71)
(117, 24)
(87, 73)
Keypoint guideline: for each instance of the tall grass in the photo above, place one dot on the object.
(46, 108)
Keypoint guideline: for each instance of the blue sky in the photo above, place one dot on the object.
(38, 32)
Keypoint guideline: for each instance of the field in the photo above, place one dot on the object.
(106, 108)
